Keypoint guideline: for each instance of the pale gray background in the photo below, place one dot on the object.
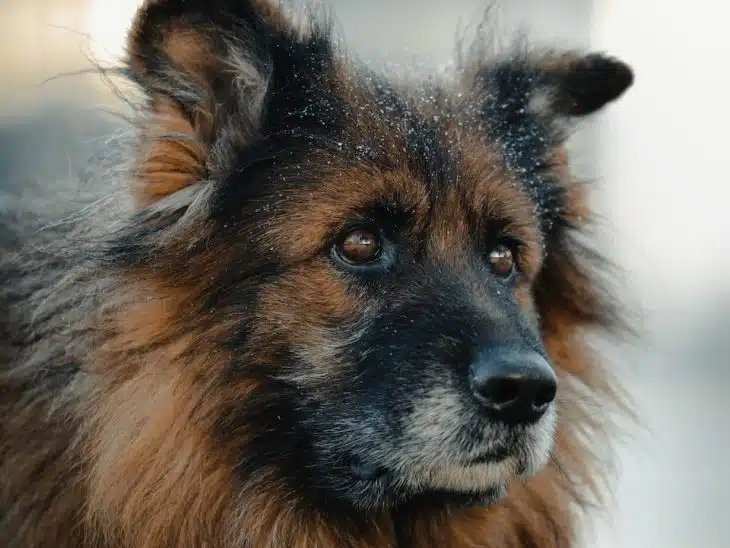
(660, 159)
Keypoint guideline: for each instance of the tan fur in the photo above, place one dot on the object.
(180, 492)
(171, 155)
(135, 456)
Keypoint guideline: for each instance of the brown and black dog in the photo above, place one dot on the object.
(340, 310)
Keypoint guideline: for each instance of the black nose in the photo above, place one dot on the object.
(513, 386)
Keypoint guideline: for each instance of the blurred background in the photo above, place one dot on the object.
(656, 158)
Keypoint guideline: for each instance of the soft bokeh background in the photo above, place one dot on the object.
(657, 156)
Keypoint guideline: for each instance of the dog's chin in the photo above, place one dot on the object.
(428, 470)
(469, 484)
(460, 499)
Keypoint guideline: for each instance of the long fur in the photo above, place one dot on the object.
(137, 341)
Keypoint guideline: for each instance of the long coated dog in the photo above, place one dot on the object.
(320, 306)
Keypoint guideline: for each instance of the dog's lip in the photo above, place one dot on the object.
(370, 471)
(491, 456)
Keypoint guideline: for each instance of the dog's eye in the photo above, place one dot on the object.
(502, 261)
(359, 246)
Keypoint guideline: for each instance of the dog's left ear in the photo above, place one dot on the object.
(582, 85)
(552, 88)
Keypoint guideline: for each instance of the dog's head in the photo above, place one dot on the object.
(386, 265)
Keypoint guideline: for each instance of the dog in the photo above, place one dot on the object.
(330, 308)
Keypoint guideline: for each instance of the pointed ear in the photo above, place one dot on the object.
(552, 88)
(212, 71)
(582, 85)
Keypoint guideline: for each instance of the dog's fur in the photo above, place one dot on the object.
(203, 371)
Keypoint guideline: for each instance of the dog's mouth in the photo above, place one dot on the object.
(376, 474)
(493, 456)
(369, 471)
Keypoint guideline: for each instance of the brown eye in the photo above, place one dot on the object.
(502, 261)
(359, 247)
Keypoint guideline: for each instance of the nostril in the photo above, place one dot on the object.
(544, 395)
(500, 391)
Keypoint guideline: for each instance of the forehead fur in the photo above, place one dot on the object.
(235, 85)
(251, 111)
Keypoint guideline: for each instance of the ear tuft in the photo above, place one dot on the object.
(171, 154)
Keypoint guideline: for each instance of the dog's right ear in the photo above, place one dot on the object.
(217, 73)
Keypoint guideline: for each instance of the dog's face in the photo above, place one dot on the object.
(377, 250)
(402, 318)
(422, 368)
